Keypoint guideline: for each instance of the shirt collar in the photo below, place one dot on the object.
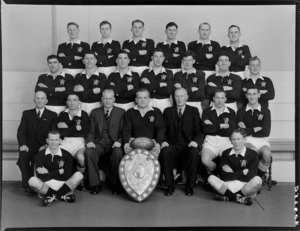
(260, 77)
(242, 153)
(193, 71)
(218, 74)
(166, 42)
(41, 110)
(258, 108)
(62, 73)
(59, 153)
(142, 39)
(78, 113)
(108, 41)
(95, 73)
(240, 45)
(161, 71)
(128, 72)
(182, 108)
(199, 41)
(225, 110)
(150, 108)
(77, 42)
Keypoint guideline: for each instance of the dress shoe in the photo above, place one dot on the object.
(68, 198)
(96, 189)
(116, 189)
(189, 191)
(170, 190)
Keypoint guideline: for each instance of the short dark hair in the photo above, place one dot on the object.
(54, 132)
(73, 23)
(142, 90)
(254, 59)
(204, 23)
(234, 26)
(90, 53)
(224, 53)
(171, 24)
(220, 91)
(239, 130)
(137, 21)
(253, 87)
(189, 53)
(73, 93)
(158, 50)
(105, 23)
(53, 57)
(108, 90)
(123, 52)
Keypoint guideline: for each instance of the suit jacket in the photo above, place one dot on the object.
(35, 132)
(191, 125)
(115, 124)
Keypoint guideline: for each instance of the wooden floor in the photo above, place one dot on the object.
(106, 210)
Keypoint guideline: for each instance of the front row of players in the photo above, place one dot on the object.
(178, 141)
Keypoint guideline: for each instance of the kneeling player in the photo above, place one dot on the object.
(238, 182)
(54, 167)
(218, 122)
(256, 120)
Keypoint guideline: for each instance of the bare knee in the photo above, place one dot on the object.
(211, 179)
(266, 156)
(80, 157)
(77, 176)
(206, 157)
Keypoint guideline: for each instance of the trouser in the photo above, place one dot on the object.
(26, 164)
(169, 157)
(92, 160)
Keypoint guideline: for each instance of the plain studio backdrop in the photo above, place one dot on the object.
(32, 32)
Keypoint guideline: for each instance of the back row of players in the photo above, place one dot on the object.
(105, 134)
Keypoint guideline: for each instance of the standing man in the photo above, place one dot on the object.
(71, 52)
(32, 133)
(239, 54)
(193, 81)
(89, 84)
(73, 125)
(106, 124)
(206, 50)
(106, 50)
(218, 122)
(256, 120)
(54, 173)
(173, 49)
(226, 81)
(158, 81)
(183, 140)
(139, 48)
(56, 84)
(239, 182)
(124, 82)
(143, 121)
(264, 84)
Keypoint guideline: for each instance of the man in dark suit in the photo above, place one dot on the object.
(183, 140)
(106, 124)
(32, 134)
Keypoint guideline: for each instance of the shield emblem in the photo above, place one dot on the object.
(139, 172)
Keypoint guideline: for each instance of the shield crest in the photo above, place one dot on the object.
(139, 172)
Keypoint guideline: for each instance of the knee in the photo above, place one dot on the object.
(117, 153)
(211, 179)
(77, 176)
(266, 156)
(33, 182)
(23, 156)
(89, 152)
(257, 182)
(206, 158)
(80, 157)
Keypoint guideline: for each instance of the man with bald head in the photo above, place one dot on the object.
(182, 143)
(32, 133)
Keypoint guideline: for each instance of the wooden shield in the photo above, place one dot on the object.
(139, 172)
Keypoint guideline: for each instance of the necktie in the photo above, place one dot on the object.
(180, 113)
(106, 114)
(38, 114)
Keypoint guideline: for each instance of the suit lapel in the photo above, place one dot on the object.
(101, 118)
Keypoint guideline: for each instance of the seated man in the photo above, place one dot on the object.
(32, 133)
(183, 139)
(54, 173)
(226, 81)
(264, 84)
(104, 138)
(71, 52)
(172, 48)
(193, 81)
(89, 84)
(218, 122)
(73, 125)
(124, 82)
(158, 81)
(239, 181)
(57, 85)
(256, 120)
(143, 121)
(106, 50)
(139, 48)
